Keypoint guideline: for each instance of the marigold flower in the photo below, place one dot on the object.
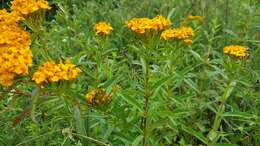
(146, 25)
(103, 28)
(51, 72)
(160, 23)
(15, 53)
(6, 79)
(237, 51)
(98, 97)
(26, 7)
(7, 18)
(178, 34)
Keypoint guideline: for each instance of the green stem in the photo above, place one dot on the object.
(221, 110)
(100, 56)
(147, 97)
(218, 117)
(92, 140)
(34, 98)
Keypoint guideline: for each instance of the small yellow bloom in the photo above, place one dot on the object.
(237, 51)
(27, 7)
(6, 79)
(98, 97)
(194, 18)
(103, 28)
(146, 25)
(52, 72)
(178, 34)
(187, 42)
(160, 23)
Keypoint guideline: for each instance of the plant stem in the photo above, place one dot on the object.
(146, 96)
(34, 98)
(218, 117)
(221, 110)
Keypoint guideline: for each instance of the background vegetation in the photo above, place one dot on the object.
(202, 85)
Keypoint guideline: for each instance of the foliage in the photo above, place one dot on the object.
(183, 94)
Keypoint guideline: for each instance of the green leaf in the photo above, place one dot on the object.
(192, 84)
(230, 32)
(137, 140)
(110, 82)
(196, 55)
(197, 134)
(171, 12)
(132, 101)
(79, 121)
(238, 114)
(224, 144)
(175, 114)
(229, 90)
(213, 136)
(161, 82)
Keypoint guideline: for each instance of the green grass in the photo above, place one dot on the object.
(192, 86)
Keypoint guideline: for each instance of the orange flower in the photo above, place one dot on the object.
(237, 51)
(98, 97)
(146, 25)
(182, 33)
(52, 72)
(15, 53)
(103, 28)
(27, 7)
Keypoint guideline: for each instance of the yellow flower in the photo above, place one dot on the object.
(103, 28)
(194, 18)
(7, 18)
(178, 34)
(237, 51)
(15, 53)
(139, 25)
(146, 25)
(6, 79)
(51, 72)
(160, 23)
(187, 42)
(98, 97)
(27, 7)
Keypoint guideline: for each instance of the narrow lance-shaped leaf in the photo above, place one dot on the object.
(197, 134)
(132, 101)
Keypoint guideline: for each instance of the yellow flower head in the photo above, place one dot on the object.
(160, 23)
(15, 53)
(6, 79)
(103, 28)
(7, 18)
(237, 51)
(26, 7)
(51, 72)
(187, 42)
(194, 18)
(178, 34)
(146, 25)
(98, 97)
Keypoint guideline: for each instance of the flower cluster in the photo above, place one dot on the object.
(52, 72)
(98, 97)
(103, 28)
(146, 25)
(7, 19)
(26, 7)
(237, 51)
(15, 53)
(178, 34)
